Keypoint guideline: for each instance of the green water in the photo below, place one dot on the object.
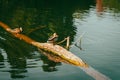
(41, 18)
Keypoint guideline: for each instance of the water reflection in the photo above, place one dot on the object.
(38, 24)
(1, 60)
(17, 63)
(12, 57)
(99, 6)
(17, 73)
(49, 65)
(39, 19)
(112, 4)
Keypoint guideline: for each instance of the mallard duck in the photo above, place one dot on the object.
(17, 30)
(53, 38)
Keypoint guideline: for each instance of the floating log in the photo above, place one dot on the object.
(53, 52)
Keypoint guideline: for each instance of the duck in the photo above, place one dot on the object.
(17, 30)
(53, 38)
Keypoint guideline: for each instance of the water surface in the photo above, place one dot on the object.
(39, 19)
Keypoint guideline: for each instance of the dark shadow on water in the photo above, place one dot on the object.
(13, 53)
(1, 60)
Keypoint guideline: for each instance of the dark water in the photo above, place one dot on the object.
(99, 21)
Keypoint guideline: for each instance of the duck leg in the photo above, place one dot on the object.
(67, 43)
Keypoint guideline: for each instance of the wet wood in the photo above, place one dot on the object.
(53, 52)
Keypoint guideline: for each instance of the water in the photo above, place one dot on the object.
(100, 42)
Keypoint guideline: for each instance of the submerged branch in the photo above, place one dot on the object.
(78, 40)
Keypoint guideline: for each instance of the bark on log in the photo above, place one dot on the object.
(59, 53)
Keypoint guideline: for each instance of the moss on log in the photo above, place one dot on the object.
(53, 52)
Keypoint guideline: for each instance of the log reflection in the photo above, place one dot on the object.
(49, 65)
(57, 59)
(99, 6)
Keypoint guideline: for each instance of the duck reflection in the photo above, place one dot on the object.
(49, 61)
(49, 65)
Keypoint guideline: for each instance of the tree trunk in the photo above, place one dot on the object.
(53, 52)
